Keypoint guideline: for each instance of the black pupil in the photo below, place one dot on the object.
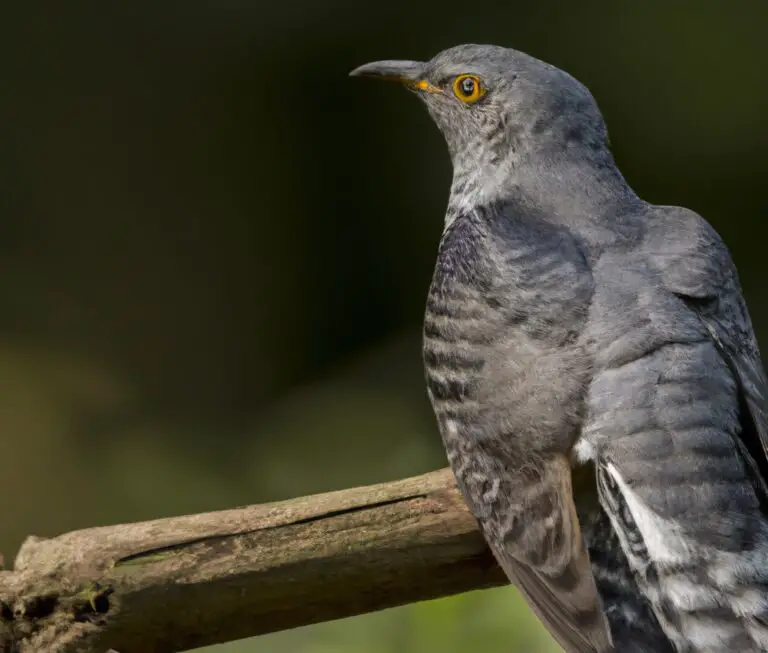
(467, 86)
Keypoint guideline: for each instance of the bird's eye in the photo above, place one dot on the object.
(468, 88)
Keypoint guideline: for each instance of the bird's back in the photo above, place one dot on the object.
(674, 438)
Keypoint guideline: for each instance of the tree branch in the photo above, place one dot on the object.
(173, 584)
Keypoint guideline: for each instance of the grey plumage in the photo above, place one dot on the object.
(593, 370)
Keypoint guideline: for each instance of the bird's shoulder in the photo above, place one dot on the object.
(680, 270)
(688, 253)
(694, 264)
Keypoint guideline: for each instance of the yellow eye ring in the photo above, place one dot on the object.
(468, 88)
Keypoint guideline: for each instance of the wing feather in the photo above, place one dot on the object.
(543, 553)
(697, 267)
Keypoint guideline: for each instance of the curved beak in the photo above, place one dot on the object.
(410, 73)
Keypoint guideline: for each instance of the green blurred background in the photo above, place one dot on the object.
(215, 246)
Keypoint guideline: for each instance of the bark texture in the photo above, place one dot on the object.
(169, 585)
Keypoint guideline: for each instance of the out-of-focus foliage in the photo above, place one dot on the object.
(494, 620)
(214, 246)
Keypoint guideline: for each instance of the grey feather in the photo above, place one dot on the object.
(593, 371)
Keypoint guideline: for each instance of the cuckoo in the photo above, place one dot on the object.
(593, 371)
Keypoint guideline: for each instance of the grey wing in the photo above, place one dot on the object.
(700, 271)
(533, 531)
(678, 412)
(728, 323)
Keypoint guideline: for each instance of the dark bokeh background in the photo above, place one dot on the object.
(215, 246)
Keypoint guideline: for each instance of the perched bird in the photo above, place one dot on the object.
(593, 371)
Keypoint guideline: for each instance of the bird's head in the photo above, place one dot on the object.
(495, 105)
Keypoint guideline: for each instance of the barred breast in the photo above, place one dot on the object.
(455, 325)
(458, 325)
